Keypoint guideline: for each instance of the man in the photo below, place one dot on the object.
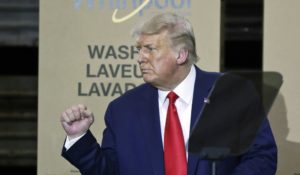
(136, 140)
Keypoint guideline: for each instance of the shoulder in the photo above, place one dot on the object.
(207, 76)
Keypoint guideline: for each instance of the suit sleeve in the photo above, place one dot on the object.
(261, 159)
(92, 159)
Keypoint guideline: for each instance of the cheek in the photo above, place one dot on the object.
(164, 65)
(159, 63)
(162, 61)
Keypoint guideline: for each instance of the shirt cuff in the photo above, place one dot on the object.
(70, 142)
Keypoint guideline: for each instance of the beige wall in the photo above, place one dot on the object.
(67, 28)
(281, 54)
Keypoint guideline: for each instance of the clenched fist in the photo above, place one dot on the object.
(76, 120)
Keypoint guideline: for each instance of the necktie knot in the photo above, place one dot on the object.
(172, 96)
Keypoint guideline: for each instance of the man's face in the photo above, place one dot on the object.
(157, 59)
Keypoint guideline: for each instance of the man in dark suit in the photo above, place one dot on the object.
(135, 140)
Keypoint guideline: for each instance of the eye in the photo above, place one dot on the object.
(138, 48)
(150, 48)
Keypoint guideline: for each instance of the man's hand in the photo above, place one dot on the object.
(76, 120)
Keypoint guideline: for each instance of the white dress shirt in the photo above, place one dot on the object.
(185, 92)
(70, 142)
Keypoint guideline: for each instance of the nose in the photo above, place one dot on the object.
(142, 57)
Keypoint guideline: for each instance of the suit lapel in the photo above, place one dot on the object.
(149, 115)
(203, 84)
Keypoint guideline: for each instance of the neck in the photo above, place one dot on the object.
(178, 77)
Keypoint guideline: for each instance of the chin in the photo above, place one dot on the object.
(148, 79)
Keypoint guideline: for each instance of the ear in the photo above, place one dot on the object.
(182, 56)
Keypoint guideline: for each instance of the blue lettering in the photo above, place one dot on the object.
(90, 4)
(161, 7)
(121, 4)
(117, 4)
(124, 4)
(148, 6)
(78, 3)
(101, 4)
(175, 6)
(189, 3)
(137, 3)
(111, 4)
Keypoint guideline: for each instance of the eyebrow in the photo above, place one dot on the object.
(146, 45)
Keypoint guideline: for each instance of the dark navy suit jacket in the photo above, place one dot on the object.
(132, 143)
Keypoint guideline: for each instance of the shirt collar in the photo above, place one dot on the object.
(184, 90)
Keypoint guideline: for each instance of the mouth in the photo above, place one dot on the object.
(144, 70)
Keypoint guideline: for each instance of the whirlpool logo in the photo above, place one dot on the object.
(136, 7)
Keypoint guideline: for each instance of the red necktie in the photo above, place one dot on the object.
(174, 147)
